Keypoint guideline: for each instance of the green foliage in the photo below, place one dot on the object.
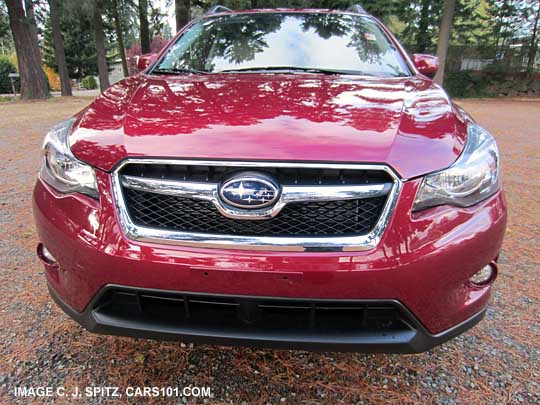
(461, 84)
(419, 20)
(422, 22)
(129, 17)
(78, 33)
(486, 24)
(473, 23)
(89, 83)
(489, 83)
(6, 41)
(6, 67)
(4, 23)
(159, 27)
(77, 30)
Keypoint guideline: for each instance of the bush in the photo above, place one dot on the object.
(464, 84)
(89, 83)
(6, 67)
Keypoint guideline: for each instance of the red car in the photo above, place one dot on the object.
(276, 178)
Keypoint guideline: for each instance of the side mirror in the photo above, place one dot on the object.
(145, 60)
(426, 64)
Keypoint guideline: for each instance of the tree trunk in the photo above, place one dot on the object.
(145, 30)
(59, 52)
(103, 69)
(120, 38)
(31, 17)
(182, 11)
(533, 47)
(444, 37)
(33, 82)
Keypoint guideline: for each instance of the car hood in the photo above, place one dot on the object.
(406, 123)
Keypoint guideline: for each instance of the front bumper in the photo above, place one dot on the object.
(131, 316)
(423, 262)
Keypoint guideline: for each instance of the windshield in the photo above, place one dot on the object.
(313, 42)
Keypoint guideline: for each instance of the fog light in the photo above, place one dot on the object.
(44, 254)
(485, 276)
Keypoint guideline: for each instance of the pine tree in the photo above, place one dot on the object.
(76, 22)
(78, 35)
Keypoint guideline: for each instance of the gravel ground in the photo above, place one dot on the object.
(496, 362)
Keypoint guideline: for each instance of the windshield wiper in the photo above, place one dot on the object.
(288, 69)
(177, 71)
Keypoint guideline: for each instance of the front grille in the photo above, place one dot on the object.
(331, 218)
(152, 208)
(227, 314)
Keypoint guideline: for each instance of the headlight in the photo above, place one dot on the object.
(472, 178)
(63, 171)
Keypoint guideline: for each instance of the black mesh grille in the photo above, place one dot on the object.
(309, 219)
(296, 219)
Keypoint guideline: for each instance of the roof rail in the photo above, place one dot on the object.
(357, 8)
(218, 9)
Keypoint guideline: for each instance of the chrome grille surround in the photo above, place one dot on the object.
(208, 192)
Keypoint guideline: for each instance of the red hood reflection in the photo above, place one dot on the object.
(407, 123)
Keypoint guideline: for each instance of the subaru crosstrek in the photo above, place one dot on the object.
(275, 178)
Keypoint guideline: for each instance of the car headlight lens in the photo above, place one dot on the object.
(472, 178)
(61, 169)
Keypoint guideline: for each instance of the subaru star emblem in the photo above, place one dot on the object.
(249, 191)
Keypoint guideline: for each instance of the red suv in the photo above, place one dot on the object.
(281, 178)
